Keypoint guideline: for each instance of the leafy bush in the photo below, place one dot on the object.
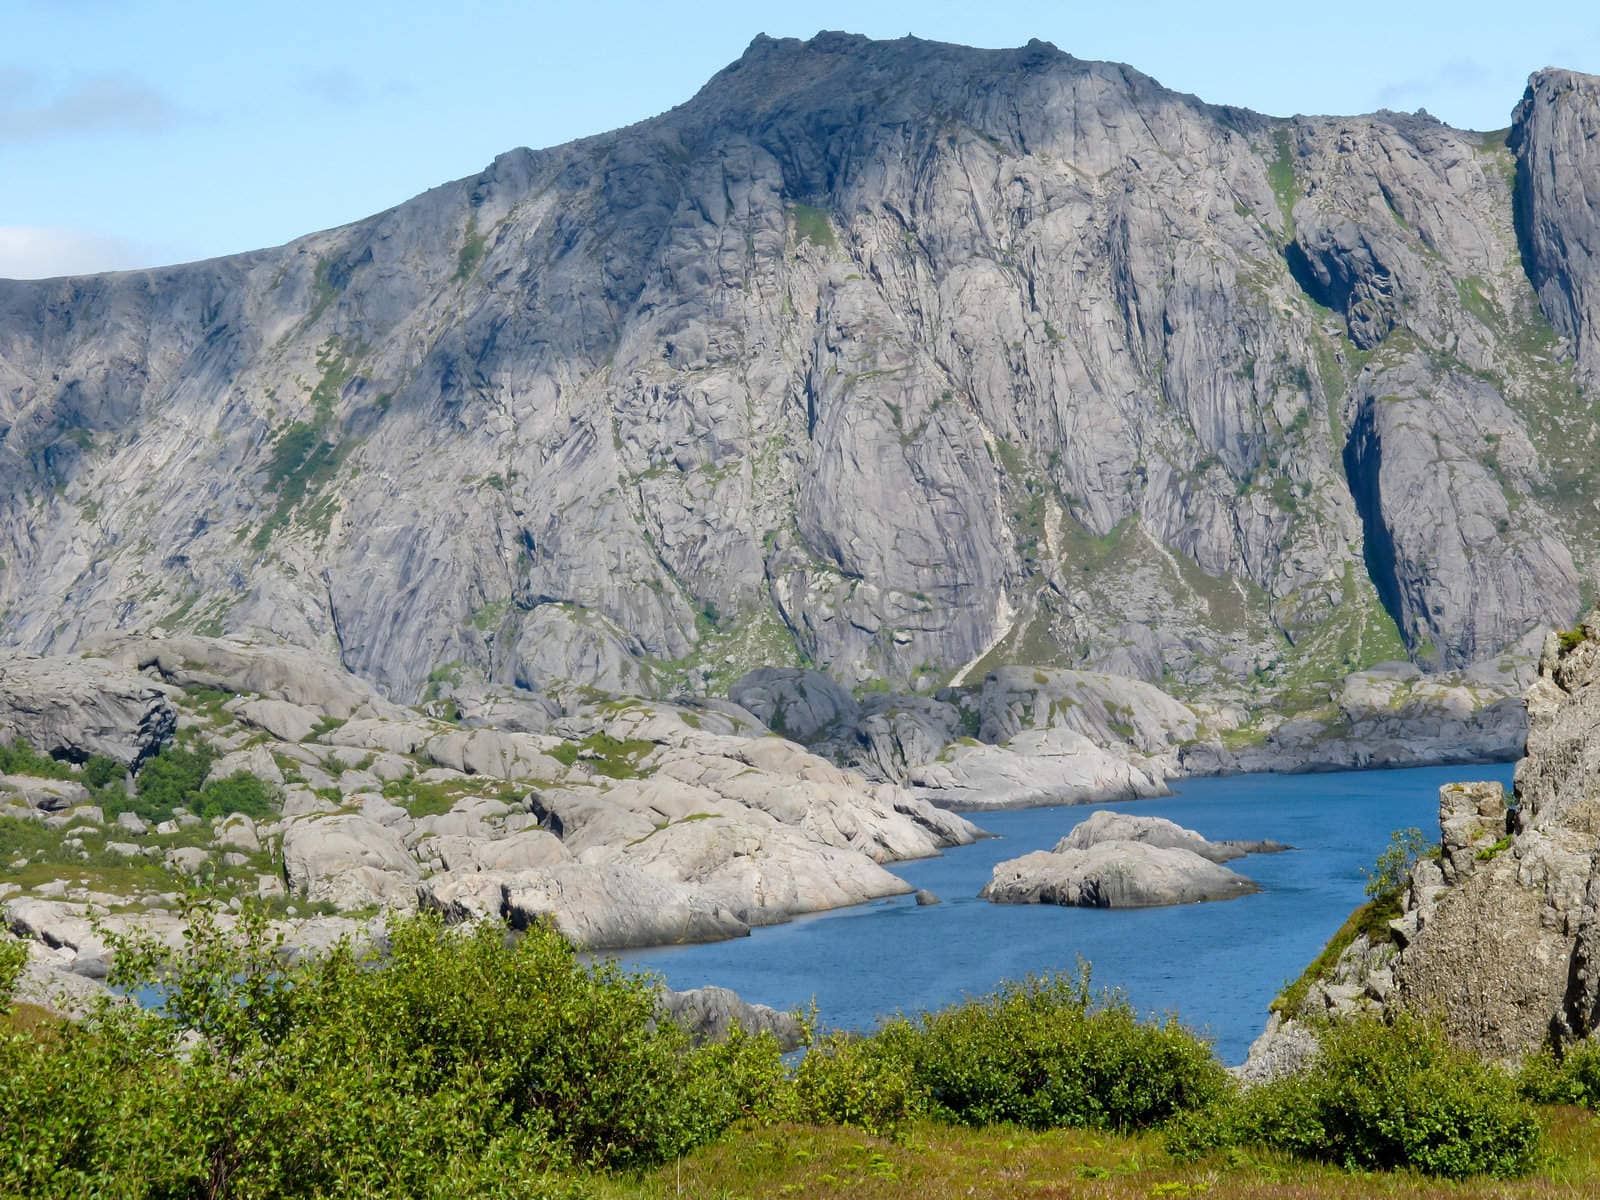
(1384, 1097)
(100, 772)
(464, 1067)
(869, 1082)
(1571, 1078)
(20, 758)
(1045, 1053)
(1390, 874)
(176, 778)
(170, 779)
(240, 792)
(13, 958)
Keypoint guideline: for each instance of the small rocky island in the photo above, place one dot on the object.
(1113, 860)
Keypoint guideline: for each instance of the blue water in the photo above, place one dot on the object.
(1217, 965)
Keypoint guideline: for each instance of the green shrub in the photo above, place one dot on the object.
(1381, 1097)
(1571, 1078)
(100, 772)
(1048, 1053)
(20, 758)
(869, 1082)
(1390, 874)
(465, 1066)
(240, 792)
(176, 778)
(1045, 1053)
(170, 779)
(13, 958)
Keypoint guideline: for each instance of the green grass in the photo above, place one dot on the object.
(303, 462)
(1489, 853)
(473, 247)
(1370, 921)
(615, 758)
(1280, 175)
(812, 225)
(928, 1161)
(421, 799)
(307, 455)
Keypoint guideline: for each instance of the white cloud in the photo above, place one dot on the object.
(106, 103)
(37, 252)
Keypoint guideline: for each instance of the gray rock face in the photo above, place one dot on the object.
(1078, 371)
(615, 906)
(710, 1013)
(1113, 875)
(1107, 826)
(75, 707)
(280, 675)
(1498, 937)
(798, 704)
(1554, 136)
(349, 861)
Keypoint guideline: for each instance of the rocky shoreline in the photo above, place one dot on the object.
(1032, 736)
(1493, 930)
(623, 822)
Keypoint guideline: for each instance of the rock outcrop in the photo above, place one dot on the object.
(78, 707)
(711, 1013)
(1113, 860)
(1108, 826)
(622, 824)
(1025, 736)
(1113, 875)
(1498, 931)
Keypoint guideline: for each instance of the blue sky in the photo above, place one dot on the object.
(135, 132)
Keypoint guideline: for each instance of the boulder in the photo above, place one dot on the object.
(1107, 826)
(613, 907)
(283, 720)
(393, 737)
(45, 795)
(710, 1013)
(495, 754)
(77, 707)
(1113, 875)
(238, 832)
(254, 760)
(349, 861)
(287, 673)
(188, 860)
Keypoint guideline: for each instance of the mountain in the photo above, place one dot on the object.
(897, 359)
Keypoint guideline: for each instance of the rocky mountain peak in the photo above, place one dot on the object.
(898, 359)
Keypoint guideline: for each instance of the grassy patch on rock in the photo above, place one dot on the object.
(615, 758)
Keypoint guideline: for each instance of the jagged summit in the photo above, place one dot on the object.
(899, 359)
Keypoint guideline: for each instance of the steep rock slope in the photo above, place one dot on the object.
(1498, 935)
(897, 358)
